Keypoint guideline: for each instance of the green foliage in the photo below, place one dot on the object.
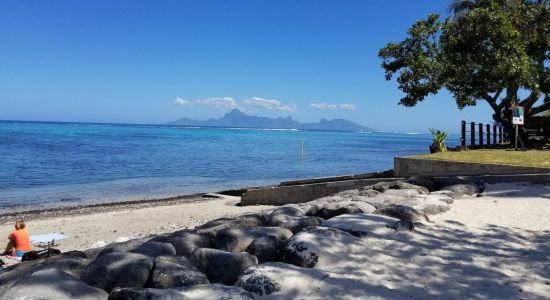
(488, 50)
(439, 140)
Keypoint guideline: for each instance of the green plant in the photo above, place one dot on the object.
(439, 140)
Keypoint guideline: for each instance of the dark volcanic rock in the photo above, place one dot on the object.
(329, 211)
(70, 265)
(173, 271)
(155, 249)
(399, 185)
(295, 224)
(426, 182)
(146, 294)
(185, 241)
(52, 284)
(266, 248)
(463, 189)
(238, 239)
(222, 267)
(118, 269)
(401, 212)
(305, 248)
(123, 246)
(212, 227)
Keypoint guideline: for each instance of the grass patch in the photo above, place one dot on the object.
(532, 158)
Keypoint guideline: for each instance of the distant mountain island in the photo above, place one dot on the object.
(237, 118)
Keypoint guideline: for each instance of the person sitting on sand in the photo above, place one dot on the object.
(20, 242)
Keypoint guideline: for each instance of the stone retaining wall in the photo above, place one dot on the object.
(404, 167)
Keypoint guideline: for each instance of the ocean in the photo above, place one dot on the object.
(52, 164)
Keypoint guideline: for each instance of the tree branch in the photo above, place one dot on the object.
(531, 99)
(492, 102)
(542, 107)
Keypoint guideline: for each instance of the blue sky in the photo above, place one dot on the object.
(157, 61)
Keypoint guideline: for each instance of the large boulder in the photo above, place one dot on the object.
(294, 224)
(361, 225)
(146, 294)
(155, 249)
(238, 239)
(402, 212)
(123, 246)
(196, 292)
(212, 227)
(52, 284)
(280, 280)
(216, 291)
(174, 271)
(461, 189)
(70, 265)
(399, 185)
(118, 269)
(330, 210)
(317, 245)
(426, 182)
(220, 266)
(266, 248)
(185, 241)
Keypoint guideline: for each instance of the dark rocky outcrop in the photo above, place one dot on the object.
(70, 265)
(238, 239)
(118, 269)
(155, 249)
(398, 185)
(196, 292)
(220, 266)
(123, 246)
(52, 284)
(305, 248)
(462, 189)
(185, 241)
(266, 248)
(174, 271)
(270, 278)
(401, 212)
(212, 227)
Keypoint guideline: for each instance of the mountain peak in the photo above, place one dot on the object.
(237, 118)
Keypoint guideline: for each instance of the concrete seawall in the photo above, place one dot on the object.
(404, 167)
(300, 193)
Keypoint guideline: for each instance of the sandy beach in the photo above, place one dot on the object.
(89, 227)
(495, 246)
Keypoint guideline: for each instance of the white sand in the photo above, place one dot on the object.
(491, 247)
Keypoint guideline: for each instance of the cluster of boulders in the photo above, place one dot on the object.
(237, 258)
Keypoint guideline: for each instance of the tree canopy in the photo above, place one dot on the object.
(487, 50)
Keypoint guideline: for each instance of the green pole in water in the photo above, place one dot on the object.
(302, 150)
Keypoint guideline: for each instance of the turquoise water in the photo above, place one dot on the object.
(73, 163)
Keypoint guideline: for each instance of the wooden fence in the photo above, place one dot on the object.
(481, 135)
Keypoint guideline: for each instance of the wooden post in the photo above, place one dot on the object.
(488, 128)
(494, 134)
(500, 134)
(481, 134)
(473, 134)
(463, 134)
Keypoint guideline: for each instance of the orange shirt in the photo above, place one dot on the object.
(21, 239)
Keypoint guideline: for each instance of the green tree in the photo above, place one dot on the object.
(489, 50)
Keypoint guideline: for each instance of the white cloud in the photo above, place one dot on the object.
(348, 106)
(220, 103)
(225, 103)
(181, 101)
(323, 105)
(271, 104)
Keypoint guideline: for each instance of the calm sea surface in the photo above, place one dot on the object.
(73, 163)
